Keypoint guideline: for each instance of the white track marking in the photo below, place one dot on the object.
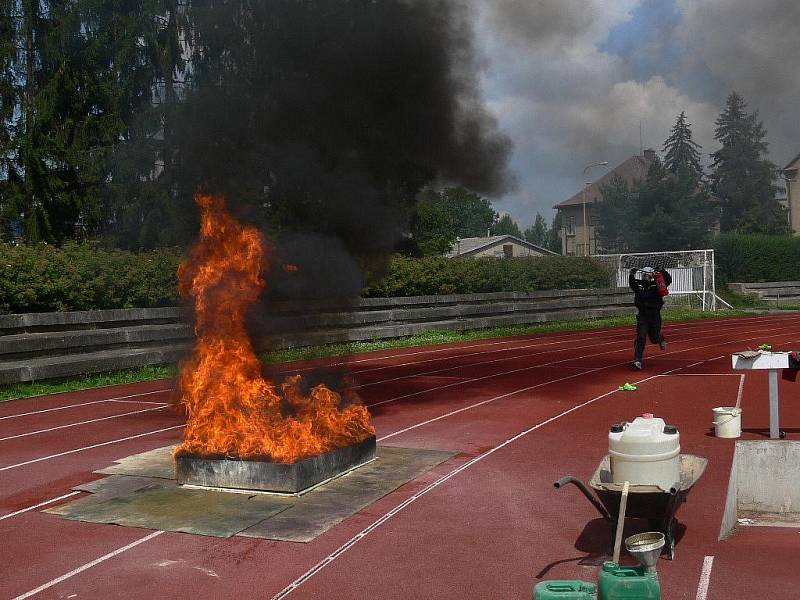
(131, 437)
(668, 328)
(134, 412)
(467, 381)
(118, 399)
(88, 565)
(705, 578)
(375, 524)
(490, 400)
(35, 506)
(443, 370)
(614, 338)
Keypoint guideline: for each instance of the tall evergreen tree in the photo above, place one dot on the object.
(614, 216)
(537, 233)
(681, 151)
(553, 241)
(742, 175)
(506, 225)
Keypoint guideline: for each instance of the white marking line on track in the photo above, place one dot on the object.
(88, 565)
(35, 506)
(490, 376)
(361, 535)
(375, 524)
(604, 341)
(669, 328)
(134, 412)
(397, 509)
(118, 399)
(705, 578)
(131, 437)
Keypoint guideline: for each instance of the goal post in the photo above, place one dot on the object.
(692, 271)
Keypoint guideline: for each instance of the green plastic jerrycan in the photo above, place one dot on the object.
(565, 589)
(627, 583)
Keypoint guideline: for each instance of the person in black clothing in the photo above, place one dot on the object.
(649, 302)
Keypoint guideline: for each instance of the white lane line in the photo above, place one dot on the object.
(88, 565)
(375, 524)
(35, 506)
(134, 412)
(490, 400)
(525, 355)
(668, 328)
(119, 398)
(607, 340)
(705, 578)
(493, 375)
(131, 437)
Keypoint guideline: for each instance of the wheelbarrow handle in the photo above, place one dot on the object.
(585, 491)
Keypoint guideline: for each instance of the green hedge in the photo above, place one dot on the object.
(437, 275)
(39, 278)
(753, 258)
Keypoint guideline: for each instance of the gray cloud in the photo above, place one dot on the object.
(749, 47)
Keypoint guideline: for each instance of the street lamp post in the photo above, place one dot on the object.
(586, 185)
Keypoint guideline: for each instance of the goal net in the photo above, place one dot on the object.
(692, 274)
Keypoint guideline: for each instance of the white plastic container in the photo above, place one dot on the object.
(645, 452)
(728, 422)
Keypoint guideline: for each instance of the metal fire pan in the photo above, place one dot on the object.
(272, 476)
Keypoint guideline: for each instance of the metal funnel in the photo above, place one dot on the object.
(646, 548)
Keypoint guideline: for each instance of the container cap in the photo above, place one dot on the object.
(647, 415)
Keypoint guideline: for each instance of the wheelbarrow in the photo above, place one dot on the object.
(649, 502)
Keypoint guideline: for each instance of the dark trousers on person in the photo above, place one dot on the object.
(648, 324)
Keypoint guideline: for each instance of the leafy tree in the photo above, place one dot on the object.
(537, 233)
(442, 217)
(681, 151)
(742, 176)
(506, 226)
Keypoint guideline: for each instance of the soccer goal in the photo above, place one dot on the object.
(692, 274)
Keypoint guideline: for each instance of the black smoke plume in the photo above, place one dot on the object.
(320, 120)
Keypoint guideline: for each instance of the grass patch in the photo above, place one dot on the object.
(85, 382)
(24, 390)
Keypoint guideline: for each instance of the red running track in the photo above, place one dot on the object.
(521, 412)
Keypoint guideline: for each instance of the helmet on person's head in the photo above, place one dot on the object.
(648, 273)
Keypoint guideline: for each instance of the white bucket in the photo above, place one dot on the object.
(728, 421)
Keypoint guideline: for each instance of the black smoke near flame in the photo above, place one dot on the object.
(320, 120)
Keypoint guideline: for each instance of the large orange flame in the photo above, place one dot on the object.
(232, 409)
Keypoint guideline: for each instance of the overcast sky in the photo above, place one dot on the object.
(570, 80)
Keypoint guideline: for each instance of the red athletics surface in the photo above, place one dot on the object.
(521, 412)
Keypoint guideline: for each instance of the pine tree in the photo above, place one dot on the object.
(537, 233)
(681, 151)
(506, 226)
(742, 176)
(615, 216)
